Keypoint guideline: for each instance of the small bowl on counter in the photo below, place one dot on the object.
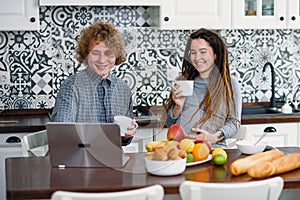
(248, 147)
(165, 168)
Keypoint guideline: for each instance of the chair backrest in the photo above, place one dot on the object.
(268, 189)
(155, 192)
(35, 144)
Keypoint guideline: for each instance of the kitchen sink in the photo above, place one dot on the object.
(258, 110)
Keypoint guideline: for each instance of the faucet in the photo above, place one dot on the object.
(273, 102)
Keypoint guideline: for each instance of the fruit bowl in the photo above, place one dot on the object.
(248, 147)
(165, 168)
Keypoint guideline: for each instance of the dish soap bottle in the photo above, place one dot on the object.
(286, 108)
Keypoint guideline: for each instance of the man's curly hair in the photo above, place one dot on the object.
(101, 32)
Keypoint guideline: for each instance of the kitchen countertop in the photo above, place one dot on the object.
(14, 121)
(24, 120)
(271, 118)
(246, 119)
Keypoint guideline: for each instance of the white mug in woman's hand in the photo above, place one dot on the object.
(124, 122)
(186, 86)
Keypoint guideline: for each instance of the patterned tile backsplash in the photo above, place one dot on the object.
(33, 64)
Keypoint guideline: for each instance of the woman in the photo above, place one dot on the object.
(213, 112)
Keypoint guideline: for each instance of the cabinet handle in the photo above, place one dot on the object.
(270, 129)
(281, 18)
(293, 18)
(13, 139)
(32, 19)
(166, 19)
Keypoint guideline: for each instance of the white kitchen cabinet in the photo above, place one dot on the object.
(139, 141)
(19, 15)
(160, 134)
(174, 14)
(143, 136)
(298, 134)
(195, 14)
(100, 2)
(8, 150)
(265, 14)
(286, 135)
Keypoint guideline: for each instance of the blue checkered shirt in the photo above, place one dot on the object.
(87, 97)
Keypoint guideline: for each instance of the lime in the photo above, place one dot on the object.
(189, 158)
(220, 173)
(219, 159)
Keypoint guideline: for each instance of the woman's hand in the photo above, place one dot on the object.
(204, 135)
(131, 130)
(178, 99)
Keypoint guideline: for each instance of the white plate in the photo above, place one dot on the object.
(199, 162)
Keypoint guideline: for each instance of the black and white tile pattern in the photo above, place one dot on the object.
(33, 64)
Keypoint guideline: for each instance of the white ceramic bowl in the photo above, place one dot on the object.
(165, 168)
(248, 147)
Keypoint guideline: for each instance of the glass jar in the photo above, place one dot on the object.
(267, 8)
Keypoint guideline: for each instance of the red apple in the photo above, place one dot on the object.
(207, 143)
(176, 132)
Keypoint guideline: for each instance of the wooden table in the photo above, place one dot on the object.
(33, 177)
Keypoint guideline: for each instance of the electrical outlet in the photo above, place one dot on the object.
(4, 78)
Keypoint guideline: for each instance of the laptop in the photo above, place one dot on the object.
(85, 145)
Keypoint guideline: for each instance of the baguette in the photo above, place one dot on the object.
(277, 166)
(242, 165)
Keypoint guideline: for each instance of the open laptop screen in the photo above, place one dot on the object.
(84, 144)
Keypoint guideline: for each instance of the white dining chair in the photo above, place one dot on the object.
(268, 189)
(35, 144)
(154, 192)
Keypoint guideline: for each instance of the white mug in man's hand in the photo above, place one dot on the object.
(124, 122)
(186, 86)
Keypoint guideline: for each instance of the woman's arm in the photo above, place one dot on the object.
(170, 119)
(176, 109)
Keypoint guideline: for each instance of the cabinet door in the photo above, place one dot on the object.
(286, 134)
(195, 14)
(293, 14)
(141, 138)
(19, 15)
(259, 14)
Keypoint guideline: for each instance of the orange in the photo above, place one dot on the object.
(200, 152)
(203, 175)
